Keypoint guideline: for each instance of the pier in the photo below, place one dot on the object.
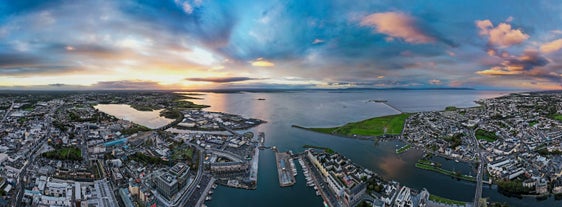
(285, 169)
(391, 106)
(261, 140)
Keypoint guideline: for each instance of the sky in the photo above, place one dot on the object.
(208, 44)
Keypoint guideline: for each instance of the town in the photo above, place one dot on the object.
(516, 137)
(58, 150)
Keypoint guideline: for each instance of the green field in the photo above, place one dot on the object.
(389, 125)
(486, 135)
(439, 199)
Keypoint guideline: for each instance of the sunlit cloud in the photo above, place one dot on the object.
(222, 79)
(260, 62)
(502, 35)
(552, 46)
(396, 25)
(216, 44)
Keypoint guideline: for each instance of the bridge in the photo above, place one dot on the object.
(480, 175)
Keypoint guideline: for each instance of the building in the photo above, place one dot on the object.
(354, 195)
(168, 183)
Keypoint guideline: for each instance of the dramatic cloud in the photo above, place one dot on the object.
(222, 80)
(502, 35)
(523, 64)
(397, 25)
(551, 47)
(317, 43)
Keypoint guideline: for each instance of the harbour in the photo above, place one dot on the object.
(282, 110)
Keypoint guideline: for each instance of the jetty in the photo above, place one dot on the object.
(391, 106)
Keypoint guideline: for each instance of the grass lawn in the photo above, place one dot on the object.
(391, 125)
(557, 117)
(486, 135)
(439, 199)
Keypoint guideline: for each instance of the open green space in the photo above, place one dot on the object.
(513, 186)
(451, 108)
(183, 153)
(171, 114)
(65, 153)
(134, 129)
(147, 159)
(403, 149)
(486, 135)
(426, 165)
(378, 126)
(326, 149)
(140, 107)
(557, 117)
(440, 199)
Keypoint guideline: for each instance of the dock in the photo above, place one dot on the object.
(285, 169)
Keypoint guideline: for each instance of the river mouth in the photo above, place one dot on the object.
(150, 119)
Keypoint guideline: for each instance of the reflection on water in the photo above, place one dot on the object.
(150, 119)
(281, 110)
(391, 165)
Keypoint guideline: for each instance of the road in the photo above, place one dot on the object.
(186, 194)
(19, 188)
(84, 133)
(30, 159)
(481, 164)
(7, 112)
(193, 185)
